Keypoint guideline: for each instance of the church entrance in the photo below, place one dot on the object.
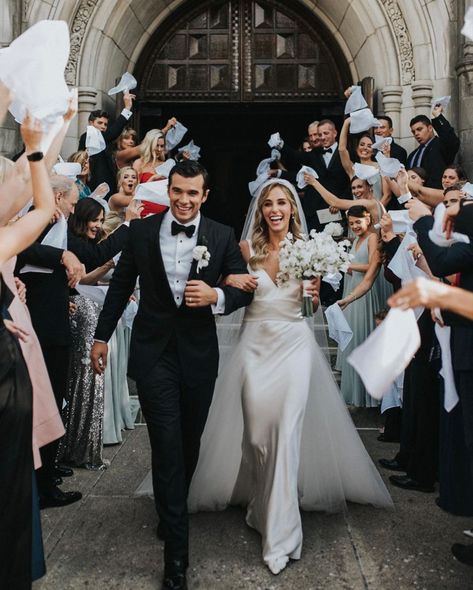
(234, 72)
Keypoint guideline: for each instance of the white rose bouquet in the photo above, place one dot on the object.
(312, 256)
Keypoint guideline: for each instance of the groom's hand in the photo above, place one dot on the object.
(98, 357)
(199, 294)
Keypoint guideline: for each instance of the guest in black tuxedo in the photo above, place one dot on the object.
(435, 152)
(48, 303)
(385, 129)
(325, 160)
(102, 165)
(174, 349)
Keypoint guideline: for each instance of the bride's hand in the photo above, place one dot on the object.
(245, 282)
(313, 291)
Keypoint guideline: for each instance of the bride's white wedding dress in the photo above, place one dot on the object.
(278, 434)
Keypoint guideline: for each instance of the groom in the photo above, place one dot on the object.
(174, 349)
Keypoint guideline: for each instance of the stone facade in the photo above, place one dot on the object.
(412, 48)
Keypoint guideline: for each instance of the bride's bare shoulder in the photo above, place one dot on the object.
(245, 250)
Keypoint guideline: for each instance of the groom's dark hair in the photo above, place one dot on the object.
(190, 169)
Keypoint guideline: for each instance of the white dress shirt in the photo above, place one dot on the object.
(327, 156)
(177, 255)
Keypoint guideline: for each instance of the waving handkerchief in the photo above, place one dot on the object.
(403, 264)
(127, 83)
(362, 121)
(392, 345)
(467, 188)
(388, 166)
(451, 398)
(438, 236)
(381, 142)
(364, 172)
(165, 169)
(402, 223)
(333, 279)
(338, 327)
(301, 183)
(263, 166)
(153, 192)
(174, 135)
(69, 169)
(94, 141)
(32, 67)
(442, 100)
(254, 185)
(356, 101)
(467, 29)
(57, 238)
(275, 141)
(194, 150)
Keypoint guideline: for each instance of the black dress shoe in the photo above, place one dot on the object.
(463, 553)
(383, 438)
(56, 498)
(57, 481)
(175, 575)
(63, 471)
(407, 483)
(392, 464)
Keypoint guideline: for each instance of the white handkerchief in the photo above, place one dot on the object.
(467, 29)
(355, 101)
(153, 192)
(102, 201)
(402, 223)
(69, 169)
(32, 67)
(338, 327)
(275, 141)
(364, 172)
(165, 169)
(333, 279)
(263, 166)
(387, 351)
(442, 100)
(174, 135)
(388, 166)
(451, 398)
(254, 185)
(127, 83)
(275, 154)
(194, 150)
(438, 236)
(467, 188)
(403, 264)
(57, 238)
(301, 183)
(381, 142)
(362, 121)
(97, 294)
(326, 216)
(94, 141)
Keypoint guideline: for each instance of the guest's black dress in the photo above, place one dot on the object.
(16, 459)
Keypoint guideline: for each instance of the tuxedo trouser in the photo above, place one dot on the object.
(464, 385)
(56, 359)
(175, 414)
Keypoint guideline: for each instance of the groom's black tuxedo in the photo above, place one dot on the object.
(173, 357)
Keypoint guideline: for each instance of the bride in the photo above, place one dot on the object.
(279, 436)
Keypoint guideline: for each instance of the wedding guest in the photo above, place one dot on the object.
(438, 145)
(127, 150)
(306, 145)
(102, 165)
(127, 181)
(453, 174)
(385, 129)
(82, 157)
(313, 135)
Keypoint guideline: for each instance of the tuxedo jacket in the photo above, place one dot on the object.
(440, 152)
(333, 177)
(47, 295)
(159, 318)
(102, 165)
(458, 258)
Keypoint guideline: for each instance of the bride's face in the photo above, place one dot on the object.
(277, 210)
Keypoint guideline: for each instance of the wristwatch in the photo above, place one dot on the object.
(35, 157)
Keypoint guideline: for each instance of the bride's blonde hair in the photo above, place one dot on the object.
(260, 233)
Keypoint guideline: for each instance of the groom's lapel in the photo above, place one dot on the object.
(202, 240)
(156, 266)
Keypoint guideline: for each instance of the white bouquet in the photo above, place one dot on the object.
(312, 256)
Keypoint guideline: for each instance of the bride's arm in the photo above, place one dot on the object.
(245, 282)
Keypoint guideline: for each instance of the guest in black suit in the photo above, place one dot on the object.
(325, 160)
(102, 165)
(435, 152)
(174, 349)
(385, 129)
(48, 303)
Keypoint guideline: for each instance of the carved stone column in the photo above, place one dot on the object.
(87, 103)
(422, 94)
(392, 102)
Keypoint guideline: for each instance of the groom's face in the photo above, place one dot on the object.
(186, 196)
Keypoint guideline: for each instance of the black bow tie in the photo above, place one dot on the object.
(328, 151)
(177, 228)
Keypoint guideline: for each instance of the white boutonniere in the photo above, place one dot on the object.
(202, 255)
